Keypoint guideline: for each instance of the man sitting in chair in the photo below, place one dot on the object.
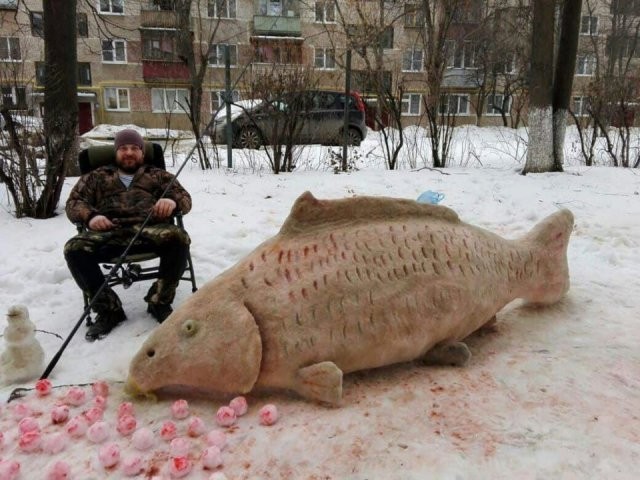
(112, 202)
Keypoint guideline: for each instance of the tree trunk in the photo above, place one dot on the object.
(60, 99)
(564, 73)
(540, 150)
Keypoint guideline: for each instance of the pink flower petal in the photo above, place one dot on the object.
(180, 409)
(268, 414)
(239, 404)
(179, 467)
(168, 430)
(226, 416)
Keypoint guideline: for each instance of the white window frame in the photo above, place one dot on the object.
(490, 110)
(458, 101)
(589, 25)
(177, 106)
(586, 65)
(322, 8)
(579, 105)
(461, 58)
(409, 60)
(217, 54)
(216, 98)
(327, 57)
(230, 7)
(110, 7)
(114, 50)
(16, 42)
(118, 91)
(409, 101)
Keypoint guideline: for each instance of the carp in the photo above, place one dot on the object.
(347, 285)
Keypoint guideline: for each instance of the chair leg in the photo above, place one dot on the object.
(191, 272)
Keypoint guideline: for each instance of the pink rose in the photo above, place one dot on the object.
(30, 441)
(168, 430)
(60, 470)
(55, 442)
(43, 387)
(217, 438)
(100, 402)
(180, 447)
(142, 439)
(9, 469)
(59, 414)
(28, 424)
(239, 404)
(226, 416)
(212, 458)
(180, 409)
(93, 415)
(126, 425)
(125, 408)
(100, 389)
(132, 465)
(196, 427)
(109, 455)
(179, 467)
(21, 410)
(75, 396)
(98, 432)
(268, 415)
(77, 427)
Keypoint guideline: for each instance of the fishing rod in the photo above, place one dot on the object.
(19, 392)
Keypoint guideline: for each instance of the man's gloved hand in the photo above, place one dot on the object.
(164, 208)
(100, 223)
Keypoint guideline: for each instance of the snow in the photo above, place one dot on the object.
(551, 393)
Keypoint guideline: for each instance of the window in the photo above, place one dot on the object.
(496, 104)
(581, 106)
(116, 99)
(158, 45)
(170, 100)
(8, 4)
(589, 25)
(222, 9)
(216, 55)
(411, 104)
(463, 56)
(386, 40)
(83, 25)
(325, 58)
(625, 7)
(9, 49)
(14, 97)
(585, 65)
(37, 24)
(454, 104)
(278, 52)
(166, 5)
(413, 16)
(623, 47)
(412, 60)
(217, 99)
(507, 66)
(112, 6)
(84, 73)
(325, 12)
(114, 51)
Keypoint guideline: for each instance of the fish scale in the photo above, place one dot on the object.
(347, 285)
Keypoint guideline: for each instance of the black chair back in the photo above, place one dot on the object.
(101, 155)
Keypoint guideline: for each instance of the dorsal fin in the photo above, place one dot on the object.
(309, 213)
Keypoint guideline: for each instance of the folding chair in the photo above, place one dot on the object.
(131, 271)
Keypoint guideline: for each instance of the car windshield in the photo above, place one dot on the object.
(237, 108)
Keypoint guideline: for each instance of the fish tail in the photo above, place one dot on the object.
(548, 242)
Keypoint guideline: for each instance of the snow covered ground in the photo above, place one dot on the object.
(551, 393)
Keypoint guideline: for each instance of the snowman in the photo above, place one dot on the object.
(23, 358)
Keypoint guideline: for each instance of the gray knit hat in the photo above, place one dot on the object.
(128, 137)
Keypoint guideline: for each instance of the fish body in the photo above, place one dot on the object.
(348, 285)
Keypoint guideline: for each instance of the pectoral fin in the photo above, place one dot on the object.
(321, 382)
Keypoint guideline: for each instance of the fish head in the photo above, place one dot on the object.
(205, 344)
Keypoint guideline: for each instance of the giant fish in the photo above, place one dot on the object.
(347, 285)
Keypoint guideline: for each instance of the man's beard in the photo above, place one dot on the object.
(129, 170)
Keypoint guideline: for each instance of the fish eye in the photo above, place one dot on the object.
(151, 352)
(190, 328)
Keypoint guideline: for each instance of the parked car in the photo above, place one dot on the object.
(320, 113)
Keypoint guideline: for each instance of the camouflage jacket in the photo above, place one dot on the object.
(101, 192)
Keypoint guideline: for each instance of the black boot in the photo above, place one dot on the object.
(104, 323)
(159, 311)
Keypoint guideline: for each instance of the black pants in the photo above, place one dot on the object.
(87, 250)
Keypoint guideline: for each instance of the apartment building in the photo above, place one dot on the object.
(130, 70)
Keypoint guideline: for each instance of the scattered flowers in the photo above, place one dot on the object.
(142, 439)
(196, 427)
(226, 416)
(59, 414)
(179, 467)
(43, 387)
(98, 432)
(180, 409)
(75, 396)
(268, 414)
(212, 458)
(109, 455)
(60, 470)
(239, 405)
(126, 425)
(168, 430)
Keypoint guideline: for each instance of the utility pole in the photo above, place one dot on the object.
(227, 104)
(347, 108)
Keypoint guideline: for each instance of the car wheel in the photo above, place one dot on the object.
(353, 137)
(249, 137)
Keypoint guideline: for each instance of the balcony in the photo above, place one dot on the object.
(164, 71)
(277, 25)
(158, 19)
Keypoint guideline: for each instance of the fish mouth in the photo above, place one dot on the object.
(132, 388)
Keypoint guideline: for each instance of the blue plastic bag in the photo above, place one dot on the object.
(430, 197)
